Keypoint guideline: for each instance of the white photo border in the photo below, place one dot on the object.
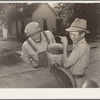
(49, 93)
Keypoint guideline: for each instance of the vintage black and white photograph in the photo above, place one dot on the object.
(49, 45)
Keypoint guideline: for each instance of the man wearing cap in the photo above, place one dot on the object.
(78, 59)
(34, 49)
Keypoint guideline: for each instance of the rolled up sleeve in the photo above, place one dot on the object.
(24, 55)
(29, 56)
(50, 36)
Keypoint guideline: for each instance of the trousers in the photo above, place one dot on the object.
(79, 79)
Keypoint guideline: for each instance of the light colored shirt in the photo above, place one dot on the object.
(79, 57)
(41, 46)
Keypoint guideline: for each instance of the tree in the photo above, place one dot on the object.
(70, 11)
(88, 11)
(12, 12)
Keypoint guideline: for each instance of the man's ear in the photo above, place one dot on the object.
(83, 34)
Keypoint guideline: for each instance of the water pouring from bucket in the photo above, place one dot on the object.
(55, 54)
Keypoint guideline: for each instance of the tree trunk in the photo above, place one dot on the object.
(22, 28)
(9, 30)
(17, 30)
(5, 32)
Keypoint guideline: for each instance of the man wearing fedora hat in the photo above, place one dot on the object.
(78, 59)
(34, 48)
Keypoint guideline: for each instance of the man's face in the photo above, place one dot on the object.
(75, 36)
(37, 37)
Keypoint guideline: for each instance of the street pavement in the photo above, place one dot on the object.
(20, 75)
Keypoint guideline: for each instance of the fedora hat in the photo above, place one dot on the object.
(32, 28)
(78, 25)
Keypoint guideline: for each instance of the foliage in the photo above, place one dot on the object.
(70, 11)
(11, 12)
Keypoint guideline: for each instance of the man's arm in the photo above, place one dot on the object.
(75, 55)
(29, 58)
(24, 55)
(50, 36)
(65, 45)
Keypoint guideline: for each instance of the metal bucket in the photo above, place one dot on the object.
(55, 54)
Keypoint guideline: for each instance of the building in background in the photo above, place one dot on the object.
(39, 12)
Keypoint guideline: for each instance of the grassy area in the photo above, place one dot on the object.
(10, 46)
(8, 56)
(10, 59)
